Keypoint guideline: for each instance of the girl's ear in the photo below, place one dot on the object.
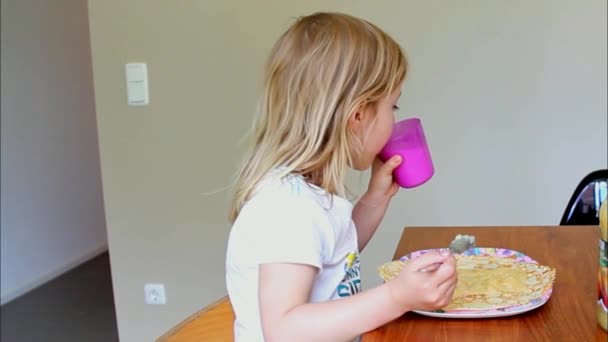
(355, 119)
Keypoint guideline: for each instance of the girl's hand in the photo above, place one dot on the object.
(382, 186)
(413, 289)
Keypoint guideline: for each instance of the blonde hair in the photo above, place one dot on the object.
(322, 69)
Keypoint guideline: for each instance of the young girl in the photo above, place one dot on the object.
(292, 268)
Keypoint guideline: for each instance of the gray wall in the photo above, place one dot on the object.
(512, 95)
(52, 208)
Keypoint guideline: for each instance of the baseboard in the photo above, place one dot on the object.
(12, 295)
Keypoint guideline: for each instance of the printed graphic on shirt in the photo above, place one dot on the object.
(351, 283)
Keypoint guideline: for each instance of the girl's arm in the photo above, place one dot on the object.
(370, 209)
(286, 315)
(367, 215)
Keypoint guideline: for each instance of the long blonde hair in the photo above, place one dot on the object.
(322, 69)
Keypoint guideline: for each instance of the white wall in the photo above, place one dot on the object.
(52, 209)
(512, 95)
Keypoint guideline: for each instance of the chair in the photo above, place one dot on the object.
(213, 323)
(584, 205)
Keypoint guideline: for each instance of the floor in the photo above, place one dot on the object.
(77, 306)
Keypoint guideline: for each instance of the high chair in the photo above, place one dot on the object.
(212, 323)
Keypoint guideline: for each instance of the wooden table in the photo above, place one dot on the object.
(569, 315)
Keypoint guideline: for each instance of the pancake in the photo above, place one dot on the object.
(490, 282)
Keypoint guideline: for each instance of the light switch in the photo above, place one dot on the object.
(137, 84)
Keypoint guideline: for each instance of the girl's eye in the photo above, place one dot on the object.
(395, 107)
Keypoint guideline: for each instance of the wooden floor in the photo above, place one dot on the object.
(77, 306)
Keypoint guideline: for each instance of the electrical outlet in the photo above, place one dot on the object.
(155, 294)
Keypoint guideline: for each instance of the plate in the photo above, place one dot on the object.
(497, 312)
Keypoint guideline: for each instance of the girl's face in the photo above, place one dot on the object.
(373, 127)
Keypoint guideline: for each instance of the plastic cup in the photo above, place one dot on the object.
(408, 141)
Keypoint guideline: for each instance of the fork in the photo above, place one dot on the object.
(459, 245)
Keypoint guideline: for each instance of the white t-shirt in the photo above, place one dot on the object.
(290, 221)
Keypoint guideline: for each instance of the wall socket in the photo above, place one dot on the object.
(155, 294)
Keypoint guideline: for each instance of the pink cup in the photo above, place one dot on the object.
(408, 141)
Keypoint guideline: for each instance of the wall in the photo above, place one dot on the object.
(52, 208)
(512, 95)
